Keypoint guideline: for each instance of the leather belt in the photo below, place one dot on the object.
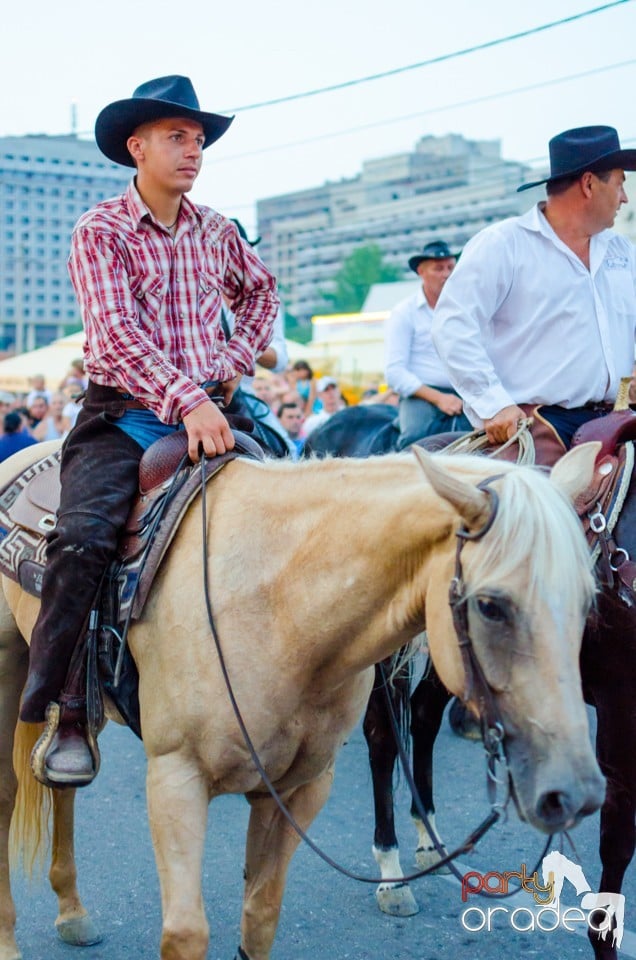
(104, 394)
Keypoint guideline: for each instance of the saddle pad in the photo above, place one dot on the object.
(26, 545)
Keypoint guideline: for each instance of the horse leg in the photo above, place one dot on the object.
(393, 896)
(13, 668)
(271, 842)
(73, 923)
(618, 834)
(178, 810)
(427, 709)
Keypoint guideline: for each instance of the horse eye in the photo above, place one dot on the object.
(491, 610)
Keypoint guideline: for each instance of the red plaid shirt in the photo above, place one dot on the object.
(151, 304)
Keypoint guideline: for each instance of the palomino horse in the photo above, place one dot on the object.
(311, 632)
(608, 669)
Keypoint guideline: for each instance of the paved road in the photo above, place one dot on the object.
(324, 915)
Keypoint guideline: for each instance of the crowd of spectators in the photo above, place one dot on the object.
(302, 402)
(42, 413)
(298, 399)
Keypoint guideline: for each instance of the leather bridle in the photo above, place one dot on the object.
(476, 686)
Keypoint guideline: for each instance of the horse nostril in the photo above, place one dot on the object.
(554, 808)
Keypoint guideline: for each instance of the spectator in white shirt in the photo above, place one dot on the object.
(331, 398)
(428, 402)
(541, 310)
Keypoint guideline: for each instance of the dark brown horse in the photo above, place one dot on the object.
(608, 670)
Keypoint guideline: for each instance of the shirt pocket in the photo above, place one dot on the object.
(149, 292)
(208, 299)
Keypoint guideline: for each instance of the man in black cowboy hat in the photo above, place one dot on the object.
(540, 315)
(428, 402)
(150, 270)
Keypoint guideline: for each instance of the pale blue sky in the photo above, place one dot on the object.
(240, 53)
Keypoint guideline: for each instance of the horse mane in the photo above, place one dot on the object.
(536, 527)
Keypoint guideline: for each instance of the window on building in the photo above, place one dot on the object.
(44, 334)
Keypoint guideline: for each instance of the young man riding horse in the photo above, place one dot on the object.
(150, 270)
(540, 311)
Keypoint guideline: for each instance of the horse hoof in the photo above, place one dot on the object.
(80, 932)
(397, 901)
(427, 857)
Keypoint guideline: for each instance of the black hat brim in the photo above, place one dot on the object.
(414, 262)
(116, 123)
(618, 160)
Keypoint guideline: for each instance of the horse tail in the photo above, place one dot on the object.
(30, 833)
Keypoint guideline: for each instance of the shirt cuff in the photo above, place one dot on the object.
(487, 404)
(177, 405)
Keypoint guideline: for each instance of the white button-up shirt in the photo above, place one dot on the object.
(410, 357)
(522, 320)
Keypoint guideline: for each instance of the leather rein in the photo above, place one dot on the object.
(476, 680)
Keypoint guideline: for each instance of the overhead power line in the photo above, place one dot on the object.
(488, 44)
(215, 160)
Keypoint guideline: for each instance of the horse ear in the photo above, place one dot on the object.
(471, 504)
(573, 473)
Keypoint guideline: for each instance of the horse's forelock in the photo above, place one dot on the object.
(537, 533)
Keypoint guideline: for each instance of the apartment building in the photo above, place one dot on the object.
(46, 183)
(447, 188)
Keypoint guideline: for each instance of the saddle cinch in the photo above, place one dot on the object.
(168, 482)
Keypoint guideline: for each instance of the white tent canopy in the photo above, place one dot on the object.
(52, 361)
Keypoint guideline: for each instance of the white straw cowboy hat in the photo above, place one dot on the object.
(172, 96)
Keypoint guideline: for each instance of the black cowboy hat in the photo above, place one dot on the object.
(585, 148)
(172, 96)
(435, 250)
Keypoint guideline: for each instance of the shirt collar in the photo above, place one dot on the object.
(535, 220)
(420, 299)
(139, 212)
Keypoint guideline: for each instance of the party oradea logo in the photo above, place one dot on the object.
(603, 913)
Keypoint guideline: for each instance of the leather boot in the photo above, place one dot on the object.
(64, 755)
(69, 585)
(99, 477)
(67, 755)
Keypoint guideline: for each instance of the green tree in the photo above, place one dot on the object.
(358, 273)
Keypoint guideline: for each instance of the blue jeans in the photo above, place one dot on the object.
(145, 427)
(419, 419)
(567, 421)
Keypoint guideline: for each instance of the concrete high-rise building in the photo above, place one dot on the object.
(447, 188)
(46, 183)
